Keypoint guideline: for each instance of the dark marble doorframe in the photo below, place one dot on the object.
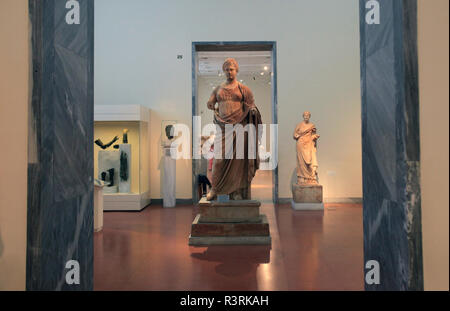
(60, 160)
(390, 142)
(60, 174)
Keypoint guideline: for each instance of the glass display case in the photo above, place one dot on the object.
(121, 155)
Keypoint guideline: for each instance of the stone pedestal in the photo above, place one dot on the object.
(235, 222)
(307, 197)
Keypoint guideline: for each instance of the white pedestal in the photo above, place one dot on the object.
(125, 201)
(169, 179)
(98, 208)
(307, 206)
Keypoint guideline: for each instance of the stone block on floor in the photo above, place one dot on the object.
(230, 240)
(240, 203)
(229, 214)
(233, 222)
(230, 229)
(307, 193)
(230, 211)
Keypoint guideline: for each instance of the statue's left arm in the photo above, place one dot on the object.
(297, 131)
(249, 99)
(315, 136)
(254, 115)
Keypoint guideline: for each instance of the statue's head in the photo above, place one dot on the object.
(169, 131)
(230, 67)
(306, 116)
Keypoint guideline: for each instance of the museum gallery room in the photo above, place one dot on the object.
(225, 145)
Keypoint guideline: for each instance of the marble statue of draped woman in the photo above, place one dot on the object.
(306, 137)
(233, 103)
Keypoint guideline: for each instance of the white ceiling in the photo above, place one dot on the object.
(250, 62)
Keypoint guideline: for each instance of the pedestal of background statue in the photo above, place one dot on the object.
(307, 197)
(234, 222)
(169, 178)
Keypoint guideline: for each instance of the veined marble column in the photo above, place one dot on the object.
(390, 143)
(60, 171)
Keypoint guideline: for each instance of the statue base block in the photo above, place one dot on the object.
(234, 222)
(227, 240)
(307, 193)
(260, 228)
(230, 211)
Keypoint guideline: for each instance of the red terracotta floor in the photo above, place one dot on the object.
(149, 250)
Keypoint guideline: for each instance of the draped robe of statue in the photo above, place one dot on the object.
(235, 106)
(306, 152)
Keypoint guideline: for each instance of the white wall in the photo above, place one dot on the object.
(434, 103)
(14, 88)
(136, 48)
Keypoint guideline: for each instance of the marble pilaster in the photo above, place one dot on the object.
(60, 171)
(390, 142)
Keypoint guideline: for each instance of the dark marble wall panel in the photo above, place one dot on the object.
(390, 142)
(60, 179)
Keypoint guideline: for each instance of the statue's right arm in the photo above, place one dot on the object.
(212, 100)
(297, 132)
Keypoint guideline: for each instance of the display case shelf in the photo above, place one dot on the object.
(109, 121)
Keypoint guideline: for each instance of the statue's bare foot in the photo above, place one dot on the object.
(211, 195)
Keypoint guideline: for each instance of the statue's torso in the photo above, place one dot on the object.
(306, 131)
(229, 100)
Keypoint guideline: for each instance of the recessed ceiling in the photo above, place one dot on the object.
(250, 62)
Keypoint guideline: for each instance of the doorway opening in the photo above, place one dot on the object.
(258, 71)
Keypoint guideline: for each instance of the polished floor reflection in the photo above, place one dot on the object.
(310, 251)
(262, 188)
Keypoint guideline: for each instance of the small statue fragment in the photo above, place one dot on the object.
(123, 166)
(99, 143)
(111, 177)
(125, 136)
(169, 131)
